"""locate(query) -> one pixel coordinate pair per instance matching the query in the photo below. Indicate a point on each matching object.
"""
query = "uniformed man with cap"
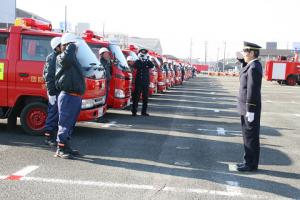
(249, 105)
(142, 81)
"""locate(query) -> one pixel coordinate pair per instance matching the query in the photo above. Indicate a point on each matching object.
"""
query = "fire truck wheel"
(291, 81)
(33, 118)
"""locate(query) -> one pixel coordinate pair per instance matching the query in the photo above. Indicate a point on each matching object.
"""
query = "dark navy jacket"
(69, 76)
(107, 66)
(49, 73)
(142, 72)
(249, 99)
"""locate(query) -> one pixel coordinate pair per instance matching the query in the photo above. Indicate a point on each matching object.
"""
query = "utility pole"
(66, 18)
(224, 56)
(191, 47)
(103, 28)
(205, 57)
(218, 58)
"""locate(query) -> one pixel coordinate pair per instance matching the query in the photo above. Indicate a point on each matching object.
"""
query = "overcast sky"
(176, 22)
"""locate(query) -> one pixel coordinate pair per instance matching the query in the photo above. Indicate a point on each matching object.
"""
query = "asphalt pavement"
(186, 149)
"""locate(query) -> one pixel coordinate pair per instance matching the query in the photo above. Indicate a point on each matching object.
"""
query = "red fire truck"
(161, 76)
(23, 51)
(284, 72)
(120, 83)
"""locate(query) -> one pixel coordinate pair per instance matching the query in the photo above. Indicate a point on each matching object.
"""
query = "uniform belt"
(74, 94)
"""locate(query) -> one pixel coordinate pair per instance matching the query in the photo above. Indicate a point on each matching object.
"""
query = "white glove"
(250, 116)
(239, 55)
(52, 99)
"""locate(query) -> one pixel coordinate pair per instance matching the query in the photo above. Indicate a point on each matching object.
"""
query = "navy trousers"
(144, 89)
(69, 107)
(52, 119)
(250, 131)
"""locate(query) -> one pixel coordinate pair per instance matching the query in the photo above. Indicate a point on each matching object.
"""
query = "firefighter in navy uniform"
(105, 60)
(69, 80)
(51, 126)
(249, 105)
(142, 81)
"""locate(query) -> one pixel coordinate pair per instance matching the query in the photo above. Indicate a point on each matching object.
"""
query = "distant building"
(149, 43)
(273, 54)
(81, 27)
(271, 45)
(123, 39)
(24, 14)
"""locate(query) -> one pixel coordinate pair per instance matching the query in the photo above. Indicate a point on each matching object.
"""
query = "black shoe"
(62, 153)
(246, 168)
(145, 114)
(71, 151)
(133, 114)
(49, 141)
(240, 164)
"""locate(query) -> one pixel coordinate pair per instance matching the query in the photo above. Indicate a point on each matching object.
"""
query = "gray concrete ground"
(186, 149)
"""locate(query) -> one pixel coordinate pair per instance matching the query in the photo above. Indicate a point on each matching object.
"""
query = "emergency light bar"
(132, 47)
(90, 34)
(33, 23)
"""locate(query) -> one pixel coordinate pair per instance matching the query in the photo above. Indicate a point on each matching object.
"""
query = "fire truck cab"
(23, 51)
(119, 94)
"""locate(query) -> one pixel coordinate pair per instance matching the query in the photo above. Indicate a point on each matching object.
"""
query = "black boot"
(61, 152)
(71, 151)
(49, 140)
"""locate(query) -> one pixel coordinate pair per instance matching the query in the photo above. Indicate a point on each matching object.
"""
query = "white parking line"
(22, 173)
(90, 183)
(182, 163)
(221, 131)
(231, 191)
(232, 168)
(25, 171)
(3, 148)
(182, 148)
(233, 187)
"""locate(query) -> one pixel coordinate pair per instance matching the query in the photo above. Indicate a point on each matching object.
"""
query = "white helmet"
(130, 58)
(102, 50)
(67, 38)
(55, 42)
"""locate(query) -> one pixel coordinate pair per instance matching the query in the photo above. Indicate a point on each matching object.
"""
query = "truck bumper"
(92, 114)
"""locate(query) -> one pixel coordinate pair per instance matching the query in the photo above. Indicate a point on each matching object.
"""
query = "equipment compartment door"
(279, 70)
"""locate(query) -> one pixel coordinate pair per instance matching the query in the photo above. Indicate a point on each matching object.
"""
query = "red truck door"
(3, 69)
(29, 70)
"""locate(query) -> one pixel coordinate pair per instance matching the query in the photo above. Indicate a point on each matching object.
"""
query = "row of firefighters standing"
(65, 85)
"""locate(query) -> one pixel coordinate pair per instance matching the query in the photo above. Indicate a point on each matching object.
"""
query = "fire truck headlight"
(87, 103)
(151, 85)
(161, 83)
(119, 93)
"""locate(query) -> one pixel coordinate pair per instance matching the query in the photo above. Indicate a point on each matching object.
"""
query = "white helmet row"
(103, 50)
(55, 42)
(68, 38)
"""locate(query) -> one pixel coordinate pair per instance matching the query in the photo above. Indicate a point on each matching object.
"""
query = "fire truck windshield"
(91, 66)
(132, 54)
(119, 57)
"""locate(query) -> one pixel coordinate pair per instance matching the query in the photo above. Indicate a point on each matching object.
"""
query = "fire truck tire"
(291, 81)
(33, 118)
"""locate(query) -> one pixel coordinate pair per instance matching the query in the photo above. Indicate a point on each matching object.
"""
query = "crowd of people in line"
(65, 85)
